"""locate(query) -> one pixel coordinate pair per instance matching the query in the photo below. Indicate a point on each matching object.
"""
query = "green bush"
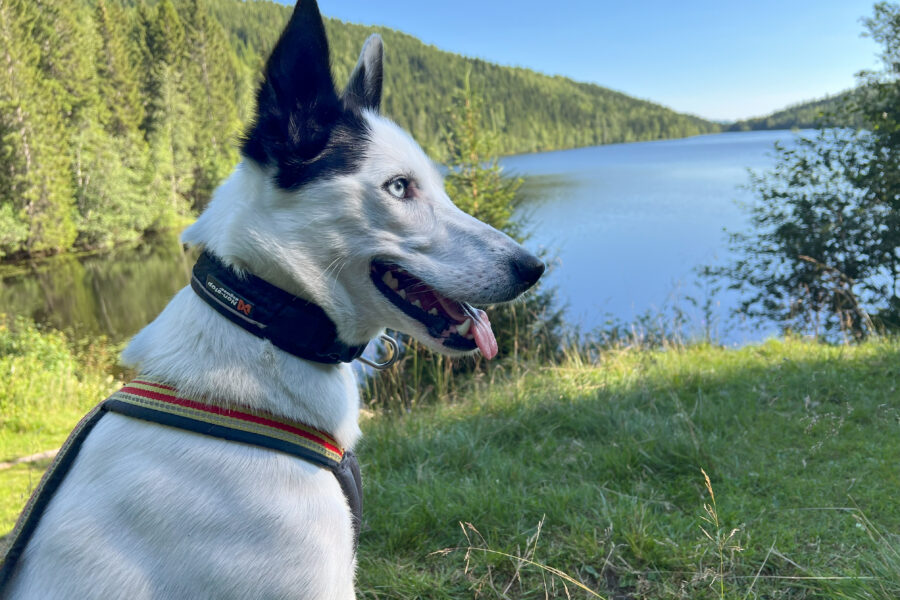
(823, 254)
(46, 381)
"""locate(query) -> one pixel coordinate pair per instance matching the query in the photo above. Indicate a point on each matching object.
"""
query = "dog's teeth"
(390, 281)
(402, 294)
(433, 312)
(417, 304)
(464, 328)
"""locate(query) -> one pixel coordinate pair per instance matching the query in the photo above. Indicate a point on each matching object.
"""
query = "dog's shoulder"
(154, 508)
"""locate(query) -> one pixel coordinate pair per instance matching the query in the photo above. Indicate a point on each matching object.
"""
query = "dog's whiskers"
(472, 313)
(336, 266)
(337, 273)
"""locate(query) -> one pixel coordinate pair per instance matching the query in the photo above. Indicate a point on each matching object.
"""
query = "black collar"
(292, 324)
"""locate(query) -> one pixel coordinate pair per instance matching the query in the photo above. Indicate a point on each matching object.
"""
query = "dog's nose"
(528, 269)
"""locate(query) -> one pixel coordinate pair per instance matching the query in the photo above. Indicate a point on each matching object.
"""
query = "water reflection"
(113, 294)
(624, 225)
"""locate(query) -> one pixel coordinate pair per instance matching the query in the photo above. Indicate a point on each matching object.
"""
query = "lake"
(626, 226)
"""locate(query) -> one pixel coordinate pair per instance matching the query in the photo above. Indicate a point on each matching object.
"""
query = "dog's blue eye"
(398, 188)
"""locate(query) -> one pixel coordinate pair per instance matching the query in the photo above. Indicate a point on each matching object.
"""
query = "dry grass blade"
(720, 540)
(761, 567)
(518, 560)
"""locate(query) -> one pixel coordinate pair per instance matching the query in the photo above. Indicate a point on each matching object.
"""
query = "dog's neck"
(194, 348)
(190, 346)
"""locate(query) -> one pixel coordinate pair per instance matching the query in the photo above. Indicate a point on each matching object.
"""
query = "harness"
(290, 323)
(159, 403)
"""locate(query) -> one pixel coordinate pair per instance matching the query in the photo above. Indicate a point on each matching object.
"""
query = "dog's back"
(151, 512)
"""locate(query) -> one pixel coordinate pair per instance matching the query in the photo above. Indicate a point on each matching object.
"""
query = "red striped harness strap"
(145, 398)
(159, 403)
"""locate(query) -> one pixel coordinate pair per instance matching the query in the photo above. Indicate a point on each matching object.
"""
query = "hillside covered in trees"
(531, 112)
(118, 117)
(824, 112)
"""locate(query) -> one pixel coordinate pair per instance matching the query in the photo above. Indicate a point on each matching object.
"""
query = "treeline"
(530, 112)
(831, 111)
(113, 121)
(120, 117)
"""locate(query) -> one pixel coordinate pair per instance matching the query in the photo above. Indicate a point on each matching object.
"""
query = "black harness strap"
(44, 491)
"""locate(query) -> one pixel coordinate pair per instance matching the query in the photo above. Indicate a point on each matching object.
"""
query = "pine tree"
(110, 155)
(117, 77)
(36, 212)
(475, 182)
(214, 73)
(168, 122)
(142, 57)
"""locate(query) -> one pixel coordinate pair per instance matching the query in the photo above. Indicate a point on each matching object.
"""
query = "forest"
(119, 118)
(830, 111)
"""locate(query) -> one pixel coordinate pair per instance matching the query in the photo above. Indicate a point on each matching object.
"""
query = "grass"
(593, 473)
(799, 440)
(47, 384)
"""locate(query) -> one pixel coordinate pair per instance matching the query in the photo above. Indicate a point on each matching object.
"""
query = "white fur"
(320, 246)
(151, 512)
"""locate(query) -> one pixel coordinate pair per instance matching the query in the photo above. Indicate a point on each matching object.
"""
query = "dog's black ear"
(364, 88)
(297, 104)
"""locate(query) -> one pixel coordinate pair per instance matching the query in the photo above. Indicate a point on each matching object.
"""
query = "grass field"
(800, 442)
(594, 470)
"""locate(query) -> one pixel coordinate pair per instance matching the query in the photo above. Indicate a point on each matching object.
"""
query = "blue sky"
(720, 59)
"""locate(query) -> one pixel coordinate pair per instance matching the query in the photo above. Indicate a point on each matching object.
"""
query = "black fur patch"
(302, 127)
(342, 154)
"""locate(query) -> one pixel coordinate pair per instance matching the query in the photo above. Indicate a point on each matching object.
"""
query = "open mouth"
(455, 324)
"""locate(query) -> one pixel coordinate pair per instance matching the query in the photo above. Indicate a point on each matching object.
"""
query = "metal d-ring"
(395, 354)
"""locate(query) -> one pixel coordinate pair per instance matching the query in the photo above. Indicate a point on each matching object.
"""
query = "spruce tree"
(168, 121)
(110, 154)
(214, 92)
(36, 200)
(475, 182)
(118, 79)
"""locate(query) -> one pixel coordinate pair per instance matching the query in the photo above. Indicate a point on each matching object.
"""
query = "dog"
(334, 205)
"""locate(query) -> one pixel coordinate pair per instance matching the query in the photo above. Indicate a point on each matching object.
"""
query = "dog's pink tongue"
(484, 335)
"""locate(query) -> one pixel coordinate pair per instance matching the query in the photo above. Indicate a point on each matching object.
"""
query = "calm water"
(630, 223)
(114, 294)
(627, 224)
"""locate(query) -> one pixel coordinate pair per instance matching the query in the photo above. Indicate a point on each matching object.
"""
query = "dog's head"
(337, 204)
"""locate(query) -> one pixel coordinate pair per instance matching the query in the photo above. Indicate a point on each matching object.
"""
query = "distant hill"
(824, 112)
(532, 112)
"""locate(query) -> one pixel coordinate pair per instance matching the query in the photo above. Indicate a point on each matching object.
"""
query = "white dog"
(336, 205)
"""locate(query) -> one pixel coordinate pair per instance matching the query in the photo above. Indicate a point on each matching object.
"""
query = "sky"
(722, 59)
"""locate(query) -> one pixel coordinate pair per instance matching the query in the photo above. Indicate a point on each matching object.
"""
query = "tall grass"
(607, 457)
(45, 378)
